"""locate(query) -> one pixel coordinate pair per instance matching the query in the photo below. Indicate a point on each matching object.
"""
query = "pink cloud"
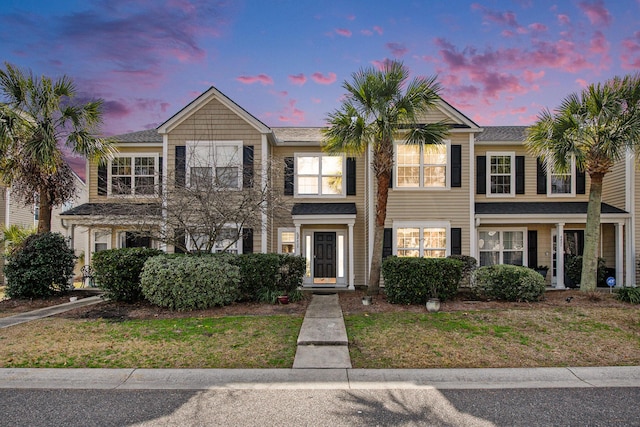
(379, 65)
(366, 32)
(298, 79)
(564, 19)
(507, 33)
(378, 29)
(291, 114)
(343, 32)
(530, 76)
(596, 12)
(316, 100)
(537, 26)
(631, 52)
(322, 79)
(582, 82)
(599, 45)
(397, 49)
(260, 78)
(507, 18)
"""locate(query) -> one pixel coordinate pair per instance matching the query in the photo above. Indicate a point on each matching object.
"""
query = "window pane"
(560, 184)
(513, 240)
(409, 253)
(513, 258)
(501, 164)
(226, 155)
(331, 165)
(501, 184)
(308, 165)
(144, 166)
(408, 154)
(200, 177)
(145, 185)
(227, 177)
(435, 238)
(489, 258)
(121, 166)
(408, 238)
(434, 176)
(435, 154)
(332, 185)
(308, 185)
(121, 185)
(434, 253)
(489, 240)
(288, 236)
(408, 176)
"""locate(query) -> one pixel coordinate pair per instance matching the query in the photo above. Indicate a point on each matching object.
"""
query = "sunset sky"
(499, 62)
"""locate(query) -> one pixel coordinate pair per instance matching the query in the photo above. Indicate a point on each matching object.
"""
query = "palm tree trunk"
(44, 215)
(588, 281)
(382, 195)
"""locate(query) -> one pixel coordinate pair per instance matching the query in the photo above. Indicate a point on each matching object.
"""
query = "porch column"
(297, 243)
(560, 255)
(619, 253)
(351, 267)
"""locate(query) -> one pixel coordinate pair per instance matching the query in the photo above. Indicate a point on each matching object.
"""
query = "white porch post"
(297, 243)
(619, 253)
(351, 266)
(560, 255)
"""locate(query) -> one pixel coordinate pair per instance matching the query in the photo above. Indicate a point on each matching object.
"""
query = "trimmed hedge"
(41, 266)
(628, 294)
(190, 282)
(415, 280)
(509, 283)
(118, 271)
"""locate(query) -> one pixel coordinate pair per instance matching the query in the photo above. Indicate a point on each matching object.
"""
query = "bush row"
(508, 282)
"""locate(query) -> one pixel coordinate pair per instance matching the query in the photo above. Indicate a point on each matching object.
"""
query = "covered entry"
(326, 242)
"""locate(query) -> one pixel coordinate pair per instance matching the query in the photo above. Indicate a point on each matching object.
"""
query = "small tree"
(40, 267)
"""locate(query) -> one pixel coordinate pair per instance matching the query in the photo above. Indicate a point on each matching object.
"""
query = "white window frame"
(210, 161)
(512, 174)
(102, 232)
(501, 250)
(282, 230)
(421, 225)
(421, 166)
(343, 192)
(572, 173)
(132, 157)
(237, 247)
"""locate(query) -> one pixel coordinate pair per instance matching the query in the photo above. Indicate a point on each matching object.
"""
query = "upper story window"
(320, 175)
(134, 175)
(562, 184)
(501, 176)
(228, 240)
(422, 166)
(428, 240)
(217, 163)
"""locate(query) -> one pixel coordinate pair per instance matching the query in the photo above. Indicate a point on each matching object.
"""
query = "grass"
(225, 342)
(497, 339)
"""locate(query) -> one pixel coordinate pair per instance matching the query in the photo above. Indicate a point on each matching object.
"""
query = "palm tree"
(36, 116)
(381, 106)
(597, 127)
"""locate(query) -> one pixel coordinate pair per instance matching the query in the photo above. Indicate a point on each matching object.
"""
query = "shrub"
(40, 266)
(469, 264)
(415, 280)
(190, 282)
(628, 294)
(573, 270)
(266, 276)
(117, 272)
(509, 282)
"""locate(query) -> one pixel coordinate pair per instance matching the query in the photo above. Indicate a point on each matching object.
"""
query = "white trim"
(344, 219)
(371, 217)
(512, 178)
(287, 230)
(473, 233)
(501, 230)
(422, 225)
(341, 281)
(264, 225)
(630, 197)
(131, 194)
(421, 166)
(164, 189)
(7, 207)
(320, 155)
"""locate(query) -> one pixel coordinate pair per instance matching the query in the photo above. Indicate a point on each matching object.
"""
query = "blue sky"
(499, 62)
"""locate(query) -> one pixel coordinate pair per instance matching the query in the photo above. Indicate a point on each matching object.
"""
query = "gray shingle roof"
(298, 134)
(540, 208)
(324, 209)
(149, 135)
(502, 133)
(117, 209)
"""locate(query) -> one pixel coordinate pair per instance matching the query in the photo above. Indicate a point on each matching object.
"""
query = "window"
(228, 240)
(134, 175)
(422, 166)
(320, 175)
(501, 247)
(501, 174)
(286, 240)
(428, 240)
(217, 163)
(101, 240)
(562, 184)
(128, 239)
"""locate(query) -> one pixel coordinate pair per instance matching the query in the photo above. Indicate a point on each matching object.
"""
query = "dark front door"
(324, 257)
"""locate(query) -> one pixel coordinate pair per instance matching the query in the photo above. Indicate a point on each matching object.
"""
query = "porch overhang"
(543, 213)
(324, 213)
(91, 214)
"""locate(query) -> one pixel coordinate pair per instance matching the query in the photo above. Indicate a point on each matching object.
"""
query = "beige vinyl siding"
(215, 122)
(530, 179)
(434, 115)
(419, 204)
(360, 255)
(613, 186)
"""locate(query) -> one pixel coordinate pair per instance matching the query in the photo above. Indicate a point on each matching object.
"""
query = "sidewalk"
(5, 322)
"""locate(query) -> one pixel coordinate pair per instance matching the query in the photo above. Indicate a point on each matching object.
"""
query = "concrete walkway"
(323, 342)
(5, 322)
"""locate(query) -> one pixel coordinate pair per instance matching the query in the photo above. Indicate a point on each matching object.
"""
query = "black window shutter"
(247, 166)
(581, 182)
(102, 180)
(456, 241)
(181, 165)
(387, 243)
(247, 241)
(351, 176)
(391, 177)
(456, 165)
(180, 241)
(542, 177)
(481, 175)
(519, 174)
(532, 245)
(160, 165)
(288, 176)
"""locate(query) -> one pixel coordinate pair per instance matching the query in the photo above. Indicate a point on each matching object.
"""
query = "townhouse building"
(478, 193)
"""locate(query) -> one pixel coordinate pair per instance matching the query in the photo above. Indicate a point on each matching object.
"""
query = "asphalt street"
(424, 407)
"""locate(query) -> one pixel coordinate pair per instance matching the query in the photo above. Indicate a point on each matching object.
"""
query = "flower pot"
(433, 305)
(366, 300)
(283, 299)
